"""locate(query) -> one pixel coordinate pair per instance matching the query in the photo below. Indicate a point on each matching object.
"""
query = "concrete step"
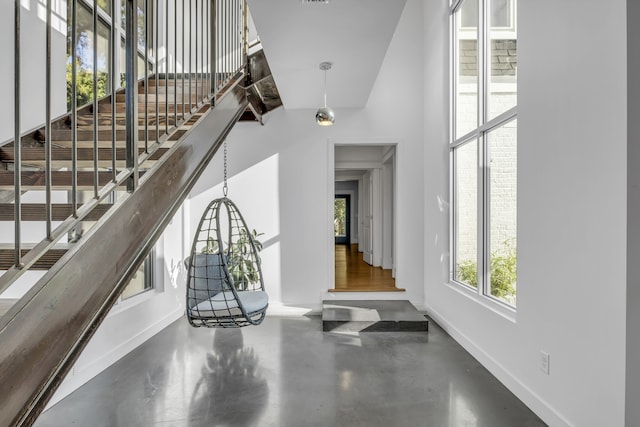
(372, 316)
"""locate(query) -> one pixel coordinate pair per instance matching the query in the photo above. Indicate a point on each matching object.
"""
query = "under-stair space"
(372, 316)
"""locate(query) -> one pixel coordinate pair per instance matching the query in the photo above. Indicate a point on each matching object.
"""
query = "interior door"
(342, 219)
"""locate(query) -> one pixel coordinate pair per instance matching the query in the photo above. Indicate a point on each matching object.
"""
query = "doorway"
(342, 219)
(364, 245)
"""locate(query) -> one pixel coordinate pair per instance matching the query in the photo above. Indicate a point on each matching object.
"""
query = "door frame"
(331, 169)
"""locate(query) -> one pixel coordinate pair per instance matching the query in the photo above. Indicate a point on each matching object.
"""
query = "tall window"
(85, 36)
(483, 148)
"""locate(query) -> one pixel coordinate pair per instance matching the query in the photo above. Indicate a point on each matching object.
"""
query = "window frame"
(484, 127)
(149, 278)
(114, 23)
(508, 32)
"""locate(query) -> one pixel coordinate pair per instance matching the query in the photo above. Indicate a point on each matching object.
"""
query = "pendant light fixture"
(325, 115)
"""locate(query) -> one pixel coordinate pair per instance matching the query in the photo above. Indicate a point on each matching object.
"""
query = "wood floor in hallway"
(352, 274)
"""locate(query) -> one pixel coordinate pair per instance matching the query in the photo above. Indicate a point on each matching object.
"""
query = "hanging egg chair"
(225, 287)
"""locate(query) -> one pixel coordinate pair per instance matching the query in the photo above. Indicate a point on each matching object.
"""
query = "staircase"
(169, 129)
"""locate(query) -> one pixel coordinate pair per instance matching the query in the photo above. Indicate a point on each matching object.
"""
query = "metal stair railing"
(43, 333)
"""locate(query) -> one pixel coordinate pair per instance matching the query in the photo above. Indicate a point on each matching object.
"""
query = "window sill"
(133, 301)
(503, 310)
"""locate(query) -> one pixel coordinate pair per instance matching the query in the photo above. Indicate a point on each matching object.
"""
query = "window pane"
(105, 5)
(140, 21)
(466, 214)
(141, 281)
(469, 14)
(503, 88)
(340, 217)
(84, 58)
(466, 100)
(503, 150)
(501, 13)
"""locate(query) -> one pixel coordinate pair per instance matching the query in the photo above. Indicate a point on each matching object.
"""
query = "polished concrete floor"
(287, 372)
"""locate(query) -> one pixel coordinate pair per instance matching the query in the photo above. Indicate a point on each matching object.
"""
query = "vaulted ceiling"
(298, 35)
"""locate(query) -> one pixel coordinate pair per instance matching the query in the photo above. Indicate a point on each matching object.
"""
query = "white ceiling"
(297, 37)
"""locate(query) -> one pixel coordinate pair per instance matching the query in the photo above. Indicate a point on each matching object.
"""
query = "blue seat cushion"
(224, 304)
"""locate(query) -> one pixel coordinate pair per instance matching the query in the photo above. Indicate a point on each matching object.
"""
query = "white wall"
(633, 218)
(133, 321)
(295, 176)
(571, 213)
(33, 16)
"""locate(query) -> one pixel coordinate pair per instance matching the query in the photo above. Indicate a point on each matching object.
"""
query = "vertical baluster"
(202, 33)
(190, 51)
(225, 36)
(183, 56)
(74, 108)
(131, 95)
(244, 51)
(47, 131)
(95, 98)
(245, 36)
(218, 55)
(166, 65)
(236, 35)
(223, 44)
(234, 45)
(232, 37)
(147, 5)
(156, 43)
(207, 79)
(114, 84)
(17, 167)
(230, 40)
(196, 54)
(236, 38)
(175, 63)
(212, 52)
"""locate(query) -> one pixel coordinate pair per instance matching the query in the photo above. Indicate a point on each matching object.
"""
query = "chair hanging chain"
(225, 188)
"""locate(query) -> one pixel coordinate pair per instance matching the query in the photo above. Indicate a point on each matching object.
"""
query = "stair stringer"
(43, 334)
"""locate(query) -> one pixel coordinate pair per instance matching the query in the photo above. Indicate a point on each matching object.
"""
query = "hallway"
(352, 274)
(287, 372)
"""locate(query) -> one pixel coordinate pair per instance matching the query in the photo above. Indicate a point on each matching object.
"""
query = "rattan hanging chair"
(225, 288)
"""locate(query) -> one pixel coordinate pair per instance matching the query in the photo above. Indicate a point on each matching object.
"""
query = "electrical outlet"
(544, 362)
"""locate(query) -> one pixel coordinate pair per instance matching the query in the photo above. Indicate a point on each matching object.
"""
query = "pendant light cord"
(325, 88)
(225, 187)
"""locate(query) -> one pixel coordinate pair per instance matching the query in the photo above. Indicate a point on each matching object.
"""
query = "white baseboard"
(283, 310)
(538, 405)
(79, 376)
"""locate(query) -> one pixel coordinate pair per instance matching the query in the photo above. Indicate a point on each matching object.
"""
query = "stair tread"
(59, 211)
(45, 262)
(60, 179)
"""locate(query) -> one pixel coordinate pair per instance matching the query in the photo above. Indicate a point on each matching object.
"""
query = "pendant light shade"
(325, 115)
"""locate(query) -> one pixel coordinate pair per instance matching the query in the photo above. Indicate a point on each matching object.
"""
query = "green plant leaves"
(502, 269)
